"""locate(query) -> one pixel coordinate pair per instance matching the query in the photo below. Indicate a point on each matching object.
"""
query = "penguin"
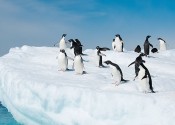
(63, 60)
(80, 46)
(137, 62)
(145, 81)
(154, 50)
(99, 55)
(117, 44)
(78, 64)
(116, 72)
(62, 43)
(137, 49)
(76, 46)
(146, 46)
(162, 44)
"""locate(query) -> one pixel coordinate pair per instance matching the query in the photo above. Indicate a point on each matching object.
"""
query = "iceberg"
(36, 93)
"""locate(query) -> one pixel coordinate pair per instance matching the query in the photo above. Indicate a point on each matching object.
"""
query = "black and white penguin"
(63, 60)
(146, 46)
(154, 50)
(137, 62)
(76, 46)
(62, 43)
(162, 44)
(145, 81)
(99, 55)
(117, 44)
(137, 49)
(80, 46)
(78, 64)
(116, 72)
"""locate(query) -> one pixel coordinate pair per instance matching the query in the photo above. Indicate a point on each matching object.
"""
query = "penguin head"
(62, 50)
(107, 62)
(148, 36)
(113, 40)
(118, 35)
(142, 54)
(97, 47)
(64, 35)
(161, 39)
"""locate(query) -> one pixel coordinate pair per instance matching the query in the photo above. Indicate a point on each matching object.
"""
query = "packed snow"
(37, 93)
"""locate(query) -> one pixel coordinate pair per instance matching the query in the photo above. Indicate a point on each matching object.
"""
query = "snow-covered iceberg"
(36, 93)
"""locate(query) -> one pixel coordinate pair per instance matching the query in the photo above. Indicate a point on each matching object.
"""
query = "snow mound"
(36, 93)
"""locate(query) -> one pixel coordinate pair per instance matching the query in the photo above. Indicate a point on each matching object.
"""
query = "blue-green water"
(5, 117)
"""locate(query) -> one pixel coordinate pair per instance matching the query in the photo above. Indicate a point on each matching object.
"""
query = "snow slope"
(36, 93)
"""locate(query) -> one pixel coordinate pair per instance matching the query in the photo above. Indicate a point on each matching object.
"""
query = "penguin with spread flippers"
(116, 72)
(137, 62)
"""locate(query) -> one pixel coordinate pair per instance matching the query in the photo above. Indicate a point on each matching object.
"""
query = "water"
(5, 117)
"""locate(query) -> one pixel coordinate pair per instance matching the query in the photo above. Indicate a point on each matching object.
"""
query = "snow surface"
(36, 93)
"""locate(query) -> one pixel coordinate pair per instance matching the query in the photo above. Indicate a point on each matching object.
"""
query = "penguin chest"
(62, 44)
(143, 83)
(78, 65)
(115, 74)
(162, 46)
(63, 61)
(118, 46)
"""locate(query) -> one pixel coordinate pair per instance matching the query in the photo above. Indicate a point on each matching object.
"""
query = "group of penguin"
(141, 71)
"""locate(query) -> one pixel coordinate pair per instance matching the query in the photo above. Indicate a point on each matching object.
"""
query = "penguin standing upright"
(146, 46)
(116, 72)
(63, 60)
(117, 44)
(162, 44)
(145, 81)
(137, 62)
(99, 55)
(62, 43)
(76, 45)
(78, 64)
(80, 46)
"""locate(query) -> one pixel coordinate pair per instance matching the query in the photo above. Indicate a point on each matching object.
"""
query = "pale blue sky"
(94, 22)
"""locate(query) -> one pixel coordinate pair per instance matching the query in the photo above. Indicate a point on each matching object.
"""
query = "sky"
(93, 22)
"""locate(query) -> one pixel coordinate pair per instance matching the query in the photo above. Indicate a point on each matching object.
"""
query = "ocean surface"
(5, 117)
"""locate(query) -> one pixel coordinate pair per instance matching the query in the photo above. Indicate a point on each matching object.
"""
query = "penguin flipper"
(144, 77)
(131, 63)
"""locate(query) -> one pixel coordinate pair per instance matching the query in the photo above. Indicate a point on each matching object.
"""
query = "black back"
(117, 67)
(138, 49)
(154, 50)
(146, 46)
(137, 62)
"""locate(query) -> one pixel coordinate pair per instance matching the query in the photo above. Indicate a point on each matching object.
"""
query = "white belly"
(78, 65)
(62, 44)
(116, 74)
(143, 84)
(62, 61)
(118, 45)
(162, 46)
